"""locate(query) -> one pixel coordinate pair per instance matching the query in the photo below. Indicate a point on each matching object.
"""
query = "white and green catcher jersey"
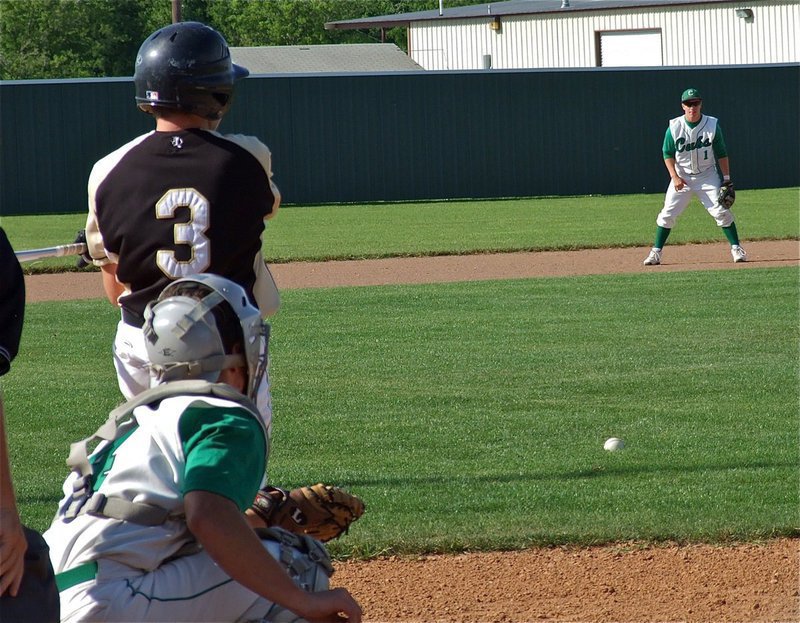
(173, 446)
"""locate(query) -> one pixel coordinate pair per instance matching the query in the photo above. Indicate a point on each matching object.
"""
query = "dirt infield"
(694, 583)
(626, 582)
(464, 268)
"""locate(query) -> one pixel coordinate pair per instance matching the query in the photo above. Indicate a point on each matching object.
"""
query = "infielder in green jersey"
(695, 156)
(152, 524)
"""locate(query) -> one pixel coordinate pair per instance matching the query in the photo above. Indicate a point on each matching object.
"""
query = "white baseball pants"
(192, 589)
(705, 186)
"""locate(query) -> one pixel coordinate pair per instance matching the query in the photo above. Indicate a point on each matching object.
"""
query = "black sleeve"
(12, 303)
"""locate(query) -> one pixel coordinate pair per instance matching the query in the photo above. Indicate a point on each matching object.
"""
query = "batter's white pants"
(705, 186)
(192, 589)
(133, 373)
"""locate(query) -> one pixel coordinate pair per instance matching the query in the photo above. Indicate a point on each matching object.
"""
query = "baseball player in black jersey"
(182, 199)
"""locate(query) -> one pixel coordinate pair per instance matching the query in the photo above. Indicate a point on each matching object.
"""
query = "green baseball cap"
(691, 94)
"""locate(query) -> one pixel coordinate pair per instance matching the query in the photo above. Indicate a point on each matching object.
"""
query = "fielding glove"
(726, 195)
(323, 512)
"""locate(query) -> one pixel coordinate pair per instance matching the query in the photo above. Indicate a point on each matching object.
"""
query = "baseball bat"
(58, 251)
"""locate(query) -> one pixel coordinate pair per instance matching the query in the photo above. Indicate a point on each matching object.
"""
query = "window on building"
(629, 48)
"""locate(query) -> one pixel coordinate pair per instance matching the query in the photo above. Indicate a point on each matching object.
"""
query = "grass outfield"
(472, 415)
(458, 227)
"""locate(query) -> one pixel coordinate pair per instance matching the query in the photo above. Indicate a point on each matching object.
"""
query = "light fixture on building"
(496, 25)
(745, 14)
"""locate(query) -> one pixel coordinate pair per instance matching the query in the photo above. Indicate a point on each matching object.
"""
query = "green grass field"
(458, 227)
(472, 416)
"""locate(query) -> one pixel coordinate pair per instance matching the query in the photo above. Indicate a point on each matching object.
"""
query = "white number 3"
(191, 233)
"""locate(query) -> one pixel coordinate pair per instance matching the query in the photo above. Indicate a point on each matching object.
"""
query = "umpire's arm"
(12, 303)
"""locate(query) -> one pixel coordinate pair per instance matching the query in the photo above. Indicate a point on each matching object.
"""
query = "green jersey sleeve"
(225, 450)
(668, 148)
(718, 144)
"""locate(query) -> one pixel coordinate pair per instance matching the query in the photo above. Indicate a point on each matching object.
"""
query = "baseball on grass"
(613, 444)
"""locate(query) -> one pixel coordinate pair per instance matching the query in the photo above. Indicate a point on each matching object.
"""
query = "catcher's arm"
(223, 532)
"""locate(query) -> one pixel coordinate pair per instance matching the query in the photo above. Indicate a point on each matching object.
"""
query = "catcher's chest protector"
(119, 423)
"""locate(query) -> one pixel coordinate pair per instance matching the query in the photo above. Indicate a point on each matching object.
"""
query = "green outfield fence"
(340, 138)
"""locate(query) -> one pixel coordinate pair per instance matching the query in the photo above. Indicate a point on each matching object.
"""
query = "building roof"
(342, 58)
(510, 7)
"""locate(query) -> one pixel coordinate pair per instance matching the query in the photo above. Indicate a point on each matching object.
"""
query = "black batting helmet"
(186, 66)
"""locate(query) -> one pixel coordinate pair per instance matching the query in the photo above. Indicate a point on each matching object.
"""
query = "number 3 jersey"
(172, 204)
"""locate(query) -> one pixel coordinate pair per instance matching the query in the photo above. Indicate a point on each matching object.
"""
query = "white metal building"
(528, 34)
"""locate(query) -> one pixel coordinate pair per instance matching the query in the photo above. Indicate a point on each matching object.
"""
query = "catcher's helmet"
(185, 338)
(186, 66)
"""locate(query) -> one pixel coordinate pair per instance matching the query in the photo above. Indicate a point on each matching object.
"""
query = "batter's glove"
(321, 511)
(726, 195)
(84, 259)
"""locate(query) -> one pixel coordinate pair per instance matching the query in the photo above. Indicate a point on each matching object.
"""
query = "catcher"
(152, 524)
(695, 154)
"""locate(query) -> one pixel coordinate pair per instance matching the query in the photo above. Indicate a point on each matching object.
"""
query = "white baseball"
(613, 444)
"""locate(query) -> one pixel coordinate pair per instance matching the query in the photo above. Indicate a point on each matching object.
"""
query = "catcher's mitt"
(726, 195)
(323, 512)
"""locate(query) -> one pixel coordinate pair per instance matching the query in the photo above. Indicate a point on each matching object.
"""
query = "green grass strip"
(315, 233)
(472, 416)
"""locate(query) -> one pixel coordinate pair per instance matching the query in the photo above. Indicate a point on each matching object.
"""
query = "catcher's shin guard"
(305, 559)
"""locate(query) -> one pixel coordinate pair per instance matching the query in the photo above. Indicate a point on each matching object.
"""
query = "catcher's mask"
(191, 338)
(186, 66)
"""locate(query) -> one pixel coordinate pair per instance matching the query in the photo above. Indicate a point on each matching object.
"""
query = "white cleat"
(654, 258)
(738, 253)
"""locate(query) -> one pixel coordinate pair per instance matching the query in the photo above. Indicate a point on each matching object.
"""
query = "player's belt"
(82, 573)
(132, 318)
